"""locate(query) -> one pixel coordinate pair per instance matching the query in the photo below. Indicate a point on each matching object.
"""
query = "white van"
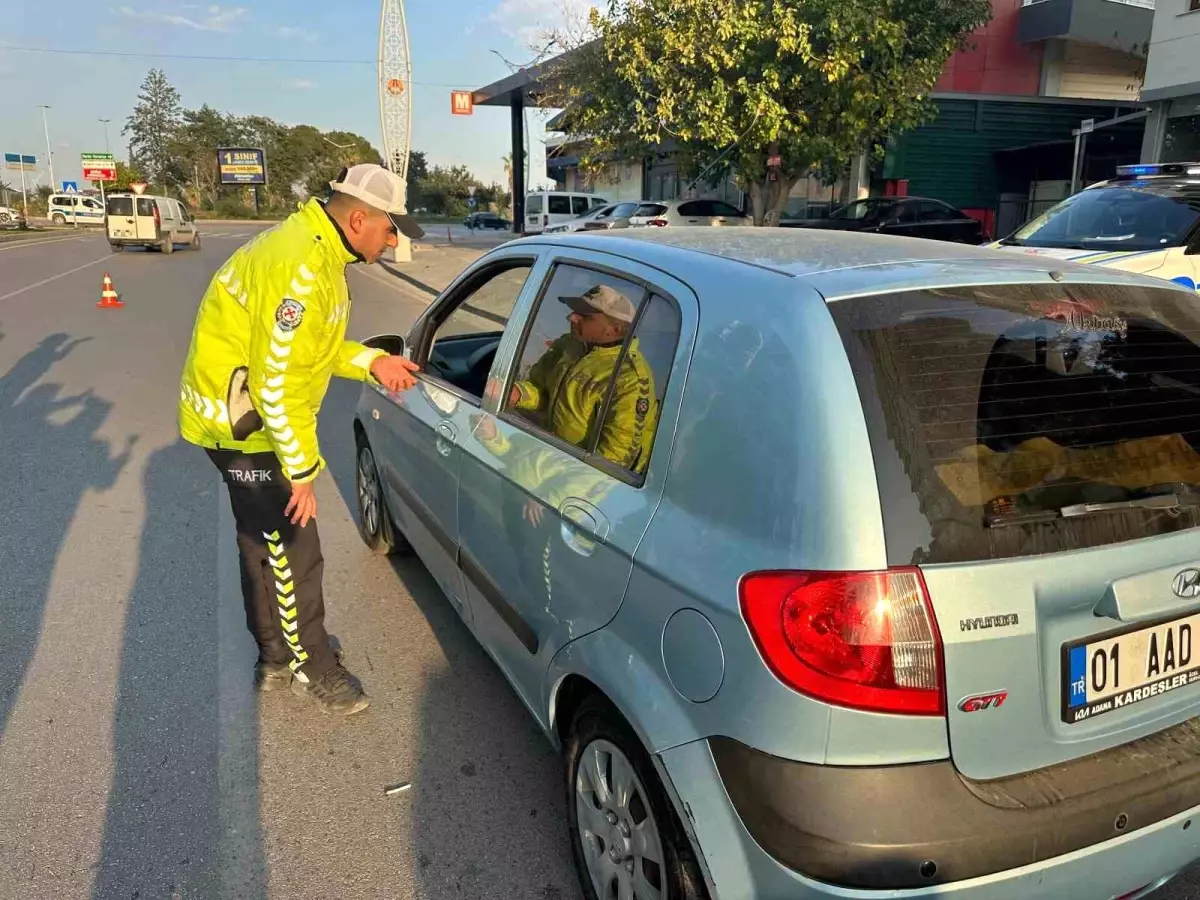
(149, 221)
(74, 209)
(543, 208)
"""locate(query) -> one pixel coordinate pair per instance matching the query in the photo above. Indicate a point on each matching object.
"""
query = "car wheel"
(625, 837)
(5, 218)
(374, 522)
(116, 248)
(195, 244)
(58, 219)
(167, 246)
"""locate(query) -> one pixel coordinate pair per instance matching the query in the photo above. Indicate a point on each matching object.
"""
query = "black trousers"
(281, 565)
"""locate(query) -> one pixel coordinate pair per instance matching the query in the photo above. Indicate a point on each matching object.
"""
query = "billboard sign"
(241, 165)
(20, 162)
(462, 103)
(98, 166)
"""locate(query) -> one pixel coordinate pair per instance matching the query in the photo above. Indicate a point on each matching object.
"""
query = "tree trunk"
(768, 199)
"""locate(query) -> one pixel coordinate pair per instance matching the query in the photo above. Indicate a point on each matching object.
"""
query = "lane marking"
(41, 242)
(38, 284)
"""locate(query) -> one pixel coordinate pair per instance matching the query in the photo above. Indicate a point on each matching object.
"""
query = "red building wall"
(999, 64)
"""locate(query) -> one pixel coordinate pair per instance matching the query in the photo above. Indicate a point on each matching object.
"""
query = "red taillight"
(866, 640)
(658, 223)
(157, 217)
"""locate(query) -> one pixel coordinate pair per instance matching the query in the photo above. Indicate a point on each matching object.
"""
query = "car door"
(147, 226)
(419, 454)
(549, 518)
(901, 219)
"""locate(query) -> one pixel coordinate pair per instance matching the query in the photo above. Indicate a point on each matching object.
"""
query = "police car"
(1145, 220)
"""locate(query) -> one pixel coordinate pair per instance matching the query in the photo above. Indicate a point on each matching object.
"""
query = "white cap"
(381, 188)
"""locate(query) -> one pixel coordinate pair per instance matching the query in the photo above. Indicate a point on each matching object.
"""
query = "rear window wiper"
(1075, 510)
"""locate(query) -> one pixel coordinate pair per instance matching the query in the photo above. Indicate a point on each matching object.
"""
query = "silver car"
(836, 565)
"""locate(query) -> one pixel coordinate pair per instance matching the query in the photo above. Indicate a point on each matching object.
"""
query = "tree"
(727, 84)
(154, 129)
(126, 175)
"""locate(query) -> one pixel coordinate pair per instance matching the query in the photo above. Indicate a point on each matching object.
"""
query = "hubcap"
(368, 492)
(621, 841)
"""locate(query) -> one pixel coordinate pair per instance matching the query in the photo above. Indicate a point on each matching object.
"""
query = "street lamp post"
(104, 202)
(105, 121)
(49, 152)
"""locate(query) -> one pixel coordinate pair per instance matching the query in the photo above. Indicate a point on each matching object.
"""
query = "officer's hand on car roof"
(395, 372)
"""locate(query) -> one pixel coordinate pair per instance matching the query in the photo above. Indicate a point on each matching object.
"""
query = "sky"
(454, 45)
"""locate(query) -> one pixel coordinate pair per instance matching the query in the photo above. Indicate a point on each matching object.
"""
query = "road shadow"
(487, 798)
(53, 456)
(183, 812)
(415, 282)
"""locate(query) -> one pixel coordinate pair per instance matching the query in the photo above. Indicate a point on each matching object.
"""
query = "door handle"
(582, 526)
(445, 438)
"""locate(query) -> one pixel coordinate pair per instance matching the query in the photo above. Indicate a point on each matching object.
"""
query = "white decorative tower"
(395, 98)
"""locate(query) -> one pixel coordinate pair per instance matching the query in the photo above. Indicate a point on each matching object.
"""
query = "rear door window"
(533, 205)
(145, 206)
(1015, 420)
(120, 206)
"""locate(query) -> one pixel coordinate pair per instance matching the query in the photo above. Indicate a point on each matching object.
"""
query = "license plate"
(1115, 671)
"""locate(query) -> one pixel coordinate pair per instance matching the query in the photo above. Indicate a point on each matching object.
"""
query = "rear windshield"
(1129, 217)
(533, 204)
(996, 413)
(120, 206)
(145, 206)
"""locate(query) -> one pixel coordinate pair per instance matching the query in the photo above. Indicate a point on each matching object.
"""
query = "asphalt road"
(135, 760)
(136, 763)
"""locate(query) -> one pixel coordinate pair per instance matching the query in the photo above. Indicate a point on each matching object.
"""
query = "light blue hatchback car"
(837, 565)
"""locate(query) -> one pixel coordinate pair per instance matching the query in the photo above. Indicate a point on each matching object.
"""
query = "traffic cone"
(109, 299)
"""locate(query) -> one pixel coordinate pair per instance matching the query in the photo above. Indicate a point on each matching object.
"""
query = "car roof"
(843, 264)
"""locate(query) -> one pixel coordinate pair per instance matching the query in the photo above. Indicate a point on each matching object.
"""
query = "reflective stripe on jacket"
(269, 334)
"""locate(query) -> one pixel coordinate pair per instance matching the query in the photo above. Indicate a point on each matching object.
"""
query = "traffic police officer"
(269, 335)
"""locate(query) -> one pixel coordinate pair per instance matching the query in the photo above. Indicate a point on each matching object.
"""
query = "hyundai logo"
(1187, 584)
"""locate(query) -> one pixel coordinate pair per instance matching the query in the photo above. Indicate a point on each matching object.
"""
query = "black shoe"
(336, 692)
(271, 677)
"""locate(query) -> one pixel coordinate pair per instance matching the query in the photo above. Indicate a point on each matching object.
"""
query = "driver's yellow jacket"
(269, 334)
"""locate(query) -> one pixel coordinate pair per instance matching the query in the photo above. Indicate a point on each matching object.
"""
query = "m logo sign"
(462, 103)
(1187, 584)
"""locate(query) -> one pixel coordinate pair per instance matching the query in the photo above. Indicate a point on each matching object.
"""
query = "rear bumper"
(913, 826)
(769, 828)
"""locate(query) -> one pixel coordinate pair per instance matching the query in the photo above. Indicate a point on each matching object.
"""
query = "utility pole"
(49, 152)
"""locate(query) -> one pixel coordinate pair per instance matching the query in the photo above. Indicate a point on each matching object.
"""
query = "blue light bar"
(1139, 170)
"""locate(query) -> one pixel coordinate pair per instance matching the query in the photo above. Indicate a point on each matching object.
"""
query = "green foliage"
(816, 81)
(126, 175)
(445, 191)
(152, 129)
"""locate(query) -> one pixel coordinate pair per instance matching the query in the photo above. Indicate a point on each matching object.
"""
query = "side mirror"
(389, 343)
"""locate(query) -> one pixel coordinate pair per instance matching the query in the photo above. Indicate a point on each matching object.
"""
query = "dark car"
(486, 220)
(918, 217)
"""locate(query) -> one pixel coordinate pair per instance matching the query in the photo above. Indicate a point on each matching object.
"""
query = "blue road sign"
(20, 161)
(70, 187)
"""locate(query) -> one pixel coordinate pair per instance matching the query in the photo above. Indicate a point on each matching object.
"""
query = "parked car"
(74, 209)
(10, 217)
(487, 220)
(546, 208)
(674, 213)
(873, 572)
(603, 218)
(919, 217)
(1145, 219)
(148, 220)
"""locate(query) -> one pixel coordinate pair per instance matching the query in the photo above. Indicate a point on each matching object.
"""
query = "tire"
(116, 248)
(5, 218)
(167, 246)
(195, 244)
(598, 734)
(375, 525)
(58, 219)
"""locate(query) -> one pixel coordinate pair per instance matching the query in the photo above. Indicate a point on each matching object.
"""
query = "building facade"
(1172, 86)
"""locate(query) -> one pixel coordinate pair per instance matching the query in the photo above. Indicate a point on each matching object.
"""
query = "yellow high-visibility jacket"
(269, 334)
